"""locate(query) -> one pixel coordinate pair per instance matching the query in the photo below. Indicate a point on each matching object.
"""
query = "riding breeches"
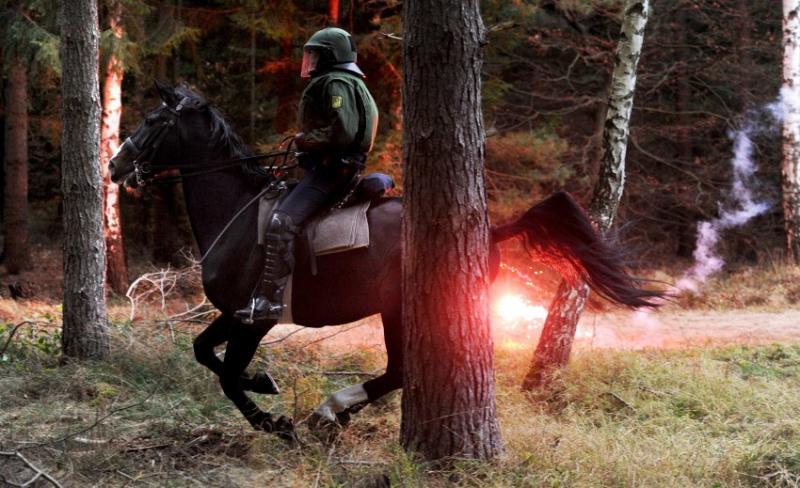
(318, 187)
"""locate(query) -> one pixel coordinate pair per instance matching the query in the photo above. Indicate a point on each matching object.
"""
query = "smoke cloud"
(742, 205)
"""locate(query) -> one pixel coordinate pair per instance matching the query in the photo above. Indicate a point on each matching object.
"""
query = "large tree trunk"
(333, 12)
(558, 333)
(116, 269)
(448, 404)
(85, 322)
(791, 127)
(16, 169)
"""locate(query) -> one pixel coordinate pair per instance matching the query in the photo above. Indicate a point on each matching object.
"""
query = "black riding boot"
(267, 302)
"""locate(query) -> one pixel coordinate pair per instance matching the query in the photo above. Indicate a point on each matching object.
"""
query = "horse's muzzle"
(120, 166)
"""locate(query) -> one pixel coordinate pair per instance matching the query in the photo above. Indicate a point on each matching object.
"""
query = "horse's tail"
(558, 231)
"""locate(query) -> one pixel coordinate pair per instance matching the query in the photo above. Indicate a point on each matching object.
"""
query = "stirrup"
(259, 309)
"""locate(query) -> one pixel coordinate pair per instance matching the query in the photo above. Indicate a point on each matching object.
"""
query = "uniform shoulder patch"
(336, 101)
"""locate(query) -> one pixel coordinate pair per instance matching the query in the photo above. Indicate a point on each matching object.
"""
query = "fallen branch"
(97, 422)
(147, 448)
(350, 373)
(290, 334)
(358, 462)
(345, 329)
(326, 463)
(161, 283)
(620, 401)
(392, 36)
(38, 473)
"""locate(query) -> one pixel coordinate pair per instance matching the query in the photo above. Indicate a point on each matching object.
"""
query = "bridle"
(146, 172)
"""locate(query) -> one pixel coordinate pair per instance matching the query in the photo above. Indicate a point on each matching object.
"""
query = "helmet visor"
(310, 60)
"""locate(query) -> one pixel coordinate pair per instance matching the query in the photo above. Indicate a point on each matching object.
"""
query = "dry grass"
(151, 416)
(768, 288)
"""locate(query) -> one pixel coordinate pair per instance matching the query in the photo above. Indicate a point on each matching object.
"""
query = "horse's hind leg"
(214, 335)
(242, 344)
(344, 402)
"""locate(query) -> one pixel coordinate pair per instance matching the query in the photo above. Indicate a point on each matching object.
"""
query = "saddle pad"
(338, 230)
(341, 229)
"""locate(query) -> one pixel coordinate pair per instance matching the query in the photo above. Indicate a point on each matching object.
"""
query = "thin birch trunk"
(116, 268)
(559, 329)
(15, 203)
(790, 170)
(85, 329)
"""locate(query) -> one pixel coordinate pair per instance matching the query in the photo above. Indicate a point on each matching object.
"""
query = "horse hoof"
(263, 383)
(324, 428)
(343, 418)
(284, 428)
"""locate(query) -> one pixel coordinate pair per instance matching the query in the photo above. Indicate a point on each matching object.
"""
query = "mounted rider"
(338, 118)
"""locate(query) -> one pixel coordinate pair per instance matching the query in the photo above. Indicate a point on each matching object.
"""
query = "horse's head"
(170, 135)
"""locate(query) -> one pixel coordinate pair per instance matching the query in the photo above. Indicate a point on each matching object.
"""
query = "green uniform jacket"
(331, 108)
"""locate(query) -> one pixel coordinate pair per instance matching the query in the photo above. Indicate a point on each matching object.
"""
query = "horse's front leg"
(214, 335)
(243, 341)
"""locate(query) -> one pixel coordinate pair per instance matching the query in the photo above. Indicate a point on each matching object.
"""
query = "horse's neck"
(212, 200)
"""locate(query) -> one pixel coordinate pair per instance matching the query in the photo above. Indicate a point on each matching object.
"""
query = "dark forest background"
(548, 63)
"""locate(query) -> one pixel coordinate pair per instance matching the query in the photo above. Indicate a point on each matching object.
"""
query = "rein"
(277, 186)
(144, 169)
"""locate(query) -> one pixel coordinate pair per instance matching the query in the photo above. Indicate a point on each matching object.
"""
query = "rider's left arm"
(340, 111)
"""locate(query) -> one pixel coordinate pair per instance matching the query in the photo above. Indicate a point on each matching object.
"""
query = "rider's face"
(310, 59)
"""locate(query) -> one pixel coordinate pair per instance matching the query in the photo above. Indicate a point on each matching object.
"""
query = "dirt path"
(663, 329)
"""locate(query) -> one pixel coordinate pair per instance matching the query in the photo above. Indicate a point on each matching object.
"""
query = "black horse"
(186, 133)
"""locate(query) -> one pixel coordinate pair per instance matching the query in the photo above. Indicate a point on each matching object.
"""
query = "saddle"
(342, 228)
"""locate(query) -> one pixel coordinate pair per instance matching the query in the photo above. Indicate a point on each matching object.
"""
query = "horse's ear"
(166, 92)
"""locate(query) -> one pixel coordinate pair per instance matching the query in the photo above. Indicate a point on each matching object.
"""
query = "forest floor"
(696, 394)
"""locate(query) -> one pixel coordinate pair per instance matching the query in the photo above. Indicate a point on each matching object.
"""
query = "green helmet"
(334, 47)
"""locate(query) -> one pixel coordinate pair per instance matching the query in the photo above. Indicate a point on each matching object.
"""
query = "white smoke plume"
(742, 206)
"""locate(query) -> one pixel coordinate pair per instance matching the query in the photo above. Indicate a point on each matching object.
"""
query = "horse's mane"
(224, 140)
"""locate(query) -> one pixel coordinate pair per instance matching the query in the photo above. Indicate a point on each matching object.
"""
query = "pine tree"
(27, 47)
(116, 268)
(85, 322)
(448, 405)
(15, 197)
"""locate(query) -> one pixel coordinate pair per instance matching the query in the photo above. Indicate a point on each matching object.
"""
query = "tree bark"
(790, 170)
(85, 322)
(333, 12)
(116, 269)
(16, 170)
(448, 406)
(559, 329)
